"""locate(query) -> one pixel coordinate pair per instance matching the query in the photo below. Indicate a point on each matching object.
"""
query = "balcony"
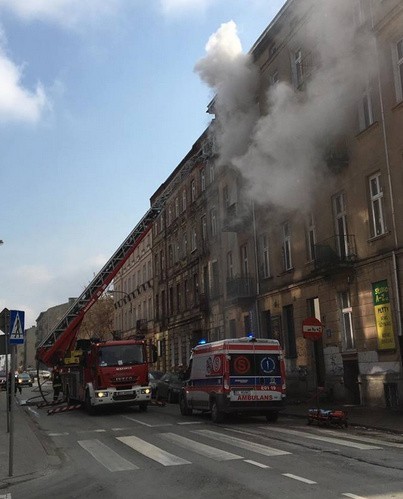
(240, 288)
(335, 253)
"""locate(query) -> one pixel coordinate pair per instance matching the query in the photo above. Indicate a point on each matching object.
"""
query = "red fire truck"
(94, 372)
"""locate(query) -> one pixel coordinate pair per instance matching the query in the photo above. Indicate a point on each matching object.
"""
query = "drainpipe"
(255, 242)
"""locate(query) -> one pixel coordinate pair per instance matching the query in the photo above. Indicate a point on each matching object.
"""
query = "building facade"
(318, 234)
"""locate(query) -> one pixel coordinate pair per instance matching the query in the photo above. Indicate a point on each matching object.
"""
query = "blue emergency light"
(202, 342)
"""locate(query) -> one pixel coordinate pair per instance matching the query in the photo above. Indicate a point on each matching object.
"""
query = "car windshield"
(121, 355)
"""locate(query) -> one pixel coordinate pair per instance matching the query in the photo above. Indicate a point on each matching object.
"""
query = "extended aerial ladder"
(61, 339)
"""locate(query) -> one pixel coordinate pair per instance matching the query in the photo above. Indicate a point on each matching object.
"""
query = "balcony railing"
(241, 287)
(335, 252)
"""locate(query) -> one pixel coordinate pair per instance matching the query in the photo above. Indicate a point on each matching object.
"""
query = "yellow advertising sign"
(383, 316)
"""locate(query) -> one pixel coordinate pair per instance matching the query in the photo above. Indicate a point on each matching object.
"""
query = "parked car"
(169, 387)
(24, 379)
(3, 380)
(153, 377)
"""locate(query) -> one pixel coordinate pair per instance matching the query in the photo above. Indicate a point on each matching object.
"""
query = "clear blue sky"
(98, 104)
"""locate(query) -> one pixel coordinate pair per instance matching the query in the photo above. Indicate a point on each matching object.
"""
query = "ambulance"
(240, 375)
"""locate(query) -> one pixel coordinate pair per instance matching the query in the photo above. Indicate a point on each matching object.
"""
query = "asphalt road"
(160, 454)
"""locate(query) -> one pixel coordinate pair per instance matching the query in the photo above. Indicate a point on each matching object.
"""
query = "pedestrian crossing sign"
(17, 318)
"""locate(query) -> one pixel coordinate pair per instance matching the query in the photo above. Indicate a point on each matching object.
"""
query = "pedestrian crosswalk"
(174, 448)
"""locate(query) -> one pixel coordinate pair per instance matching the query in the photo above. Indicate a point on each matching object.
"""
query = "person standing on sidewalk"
(57, 384)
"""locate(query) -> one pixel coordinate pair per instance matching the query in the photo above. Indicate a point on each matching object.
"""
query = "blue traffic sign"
(16, 335)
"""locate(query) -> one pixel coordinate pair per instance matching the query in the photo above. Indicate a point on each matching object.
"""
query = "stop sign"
(312, 328)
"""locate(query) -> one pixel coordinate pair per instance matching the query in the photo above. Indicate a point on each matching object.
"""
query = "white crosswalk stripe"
(106, 456)
(199, 448)
(322, 438)
(243, 444)
(153, 452)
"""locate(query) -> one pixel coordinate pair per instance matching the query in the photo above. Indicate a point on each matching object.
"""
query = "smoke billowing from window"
(280, 151)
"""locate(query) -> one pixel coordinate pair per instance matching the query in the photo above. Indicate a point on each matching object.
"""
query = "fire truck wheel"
(87, 404)
(143, 407)
(217, 416)
(183, 406)
(272, 417)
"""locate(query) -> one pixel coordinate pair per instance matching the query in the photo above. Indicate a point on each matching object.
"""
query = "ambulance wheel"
(217, 416)
(183, 406)
(272, 417)
(143, 407)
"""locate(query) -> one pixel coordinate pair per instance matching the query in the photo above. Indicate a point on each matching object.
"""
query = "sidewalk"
(31, 456)
(369, 417)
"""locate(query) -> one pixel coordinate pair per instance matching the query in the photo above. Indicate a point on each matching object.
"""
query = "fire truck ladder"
(61, 338)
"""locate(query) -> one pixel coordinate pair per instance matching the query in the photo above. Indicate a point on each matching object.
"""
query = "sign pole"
(12, 402)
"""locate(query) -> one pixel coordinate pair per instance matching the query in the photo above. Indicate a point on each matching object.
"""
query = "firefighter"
(57, 384)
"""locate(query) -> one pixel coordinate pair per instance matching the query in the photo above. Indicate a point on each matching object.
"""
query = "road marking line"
(147, 424)
(299, 478)
(367, 439)
(152, 451)
(199, 448)
(255, 463)
(99, 431)
(119, 429)
(191, 422)
(106, 456)
(243, 444)
(57, 434)
(331, 440)
(353, 496)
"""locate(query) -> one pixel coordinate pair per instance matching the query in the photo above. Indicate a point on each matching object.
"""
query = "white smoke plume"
(284, 148)
(234, 78)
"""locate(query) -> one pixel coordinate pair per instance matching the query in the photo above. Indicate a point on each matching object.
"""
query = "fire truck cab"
(240, 375)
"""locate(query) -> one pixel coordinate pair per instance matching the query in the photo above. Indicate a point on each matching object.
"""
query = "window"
(287, 246)
(230, 266)
(399, 70)
(170, 255)
(365, 114)
(225, 196)
(196, 289)
(144, 273)
(178, 297)
(264, 256)
(150, 273)
(176, 207)
(184, 200)
(204, 227)
(171, 300)
(274, 78)
(215, 279)
(185, 294)
(346, 319)
(375, 186)
(185, 244)
(161, 222)
(212, 173)
(244, 261)
(340, 220)
(213, 221)
(193, 191)
(194, 240)
(298, 68)
(310, 237)
(169, 215)
(202, 179)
